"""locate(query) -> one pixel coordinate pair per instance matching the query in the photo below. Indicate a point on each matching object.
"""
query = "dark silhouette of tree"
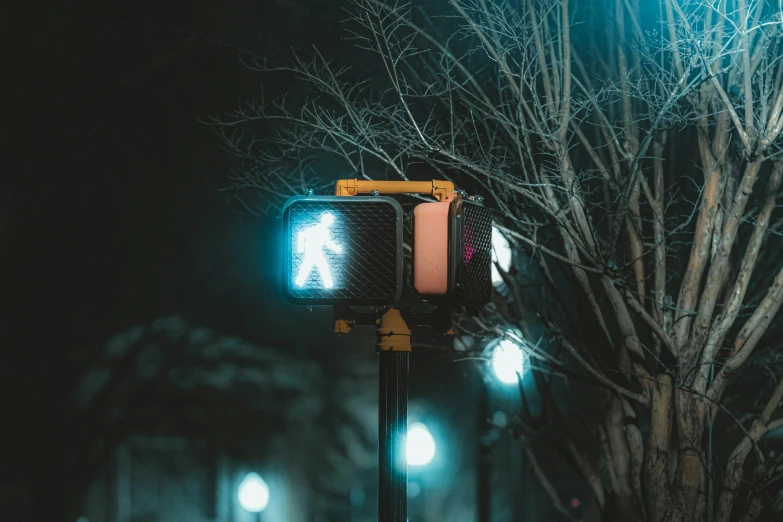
(170, 378)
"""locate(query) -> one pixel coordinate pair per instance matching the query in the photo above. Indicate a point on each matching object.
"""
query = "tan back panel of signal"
(431, 248)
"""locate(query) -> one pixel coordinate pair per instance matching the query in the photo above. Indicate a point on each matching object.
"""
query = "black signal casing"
(470, 253)
(367, 271)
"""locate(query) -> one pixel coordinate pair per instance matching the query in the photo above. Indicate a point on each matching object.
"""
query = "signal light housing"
(342, 250)
(452, 251)
(470, 253)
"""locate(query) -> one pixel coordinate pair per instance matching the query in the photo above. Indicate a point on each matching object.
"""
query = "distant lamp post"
(501, 254)
(508, 361)
(253, 493)
(419, 445)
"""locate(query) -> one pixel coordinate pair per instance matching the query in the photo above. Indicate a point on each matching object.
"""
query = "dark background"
(114, 202)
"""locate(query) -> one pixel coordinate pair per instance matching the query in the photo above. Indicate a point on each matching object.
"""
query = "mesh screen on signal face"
(342, 250)
(475, 273)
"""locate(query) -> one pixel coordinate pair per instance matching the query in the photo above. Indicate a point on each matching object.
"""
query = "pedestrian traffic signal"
(452, 251)
(342, 250)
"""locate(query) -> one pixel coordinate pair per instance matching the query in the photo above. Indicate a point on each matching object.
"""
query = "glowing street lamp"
(253, 493)
(419, 445)
(501, 254)
(508, 361)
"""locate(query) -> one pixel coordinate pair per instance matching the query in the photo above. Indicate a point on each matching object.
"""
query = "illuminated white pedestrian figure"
(311, 242)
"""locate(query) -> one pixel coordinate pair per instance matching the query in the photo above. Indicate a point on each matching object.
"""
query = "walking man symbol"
(311, 242)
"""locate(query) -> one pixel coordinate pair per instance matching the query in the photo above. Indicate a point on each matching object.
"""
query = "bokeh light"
(419, 445)
(508, 361)
(253, 493)
(501, 254)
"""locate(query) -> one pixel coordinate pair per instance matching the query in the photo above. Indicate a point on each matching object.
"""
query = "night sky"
(112, 208)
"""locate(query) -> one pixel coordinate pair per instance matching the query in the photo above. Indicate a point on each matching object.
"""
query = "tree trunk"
(690, 476)
(656, 465)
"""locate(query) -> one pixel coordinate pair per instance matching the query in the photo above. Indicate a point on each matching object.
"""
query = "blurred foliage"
(169, 378)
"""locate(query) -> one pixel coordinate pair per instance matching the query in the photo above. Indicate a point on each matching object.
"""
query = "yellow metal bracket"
(394, 335)
(343, 326)
(439, 189)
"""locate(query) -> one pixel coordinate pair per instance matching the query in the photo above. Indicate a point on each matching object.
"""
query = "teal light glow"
(253, 493)
(508, 361)
(419, 445)
(501, 254)
(311, 242)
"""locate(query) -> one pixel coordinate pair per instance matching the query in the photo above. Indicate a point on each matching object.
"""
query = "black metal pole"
(485, 456)
(392, 427)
